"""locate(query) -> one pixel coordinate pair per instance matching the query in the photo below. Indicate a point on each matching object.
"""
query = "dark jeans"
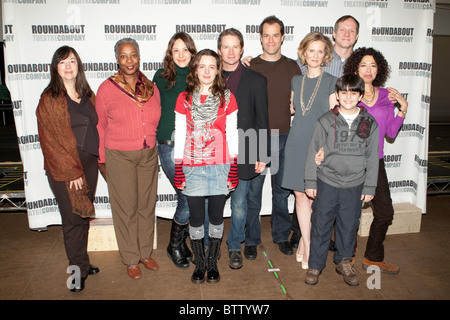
(383, 214)
(239, 196)
(76, 229)
(334, 206)
(165, 152)
(280, 219)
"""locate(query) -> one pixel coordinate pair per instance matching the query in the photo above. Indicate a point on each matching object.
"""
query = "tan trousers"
(132, 184)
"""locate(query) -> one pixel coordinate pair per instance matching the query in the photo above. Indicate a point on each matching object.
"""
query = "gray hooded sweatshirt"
(351, 153)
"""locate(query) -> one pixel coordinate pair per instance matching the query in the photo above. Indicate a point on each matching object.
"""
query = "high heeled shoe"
(298, 257)
(305, 265)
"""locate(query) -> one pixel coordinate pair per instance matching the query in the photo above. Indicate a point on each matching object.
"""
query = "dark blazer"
(251, 97)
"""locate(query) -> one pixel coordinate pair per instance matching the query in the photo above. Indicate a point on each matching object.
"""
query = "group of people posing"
(220, 124)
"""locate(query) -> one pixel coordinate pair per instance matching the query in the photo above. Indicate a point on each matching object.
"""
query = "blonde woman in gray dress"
(312, 94)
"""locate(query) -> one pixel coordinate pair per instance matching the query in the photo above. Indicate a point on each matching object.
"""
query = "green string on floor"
(274, 272)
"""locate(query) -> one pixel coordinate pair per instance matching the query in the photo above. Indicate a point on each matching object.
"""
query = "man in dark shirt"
(278, 71)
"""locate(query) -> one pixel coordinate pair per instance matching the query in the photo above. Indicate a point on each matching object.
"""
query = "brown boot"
(384, 267)
(345, 269)
(312, 276)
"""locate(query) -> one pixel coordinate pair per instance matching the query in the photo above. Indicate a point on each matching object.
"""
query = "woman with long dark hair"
(69, 141)
(171, 81)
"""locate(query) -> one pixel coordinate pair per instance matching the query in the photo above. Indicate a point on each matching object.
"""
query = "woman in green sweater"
(171, 81)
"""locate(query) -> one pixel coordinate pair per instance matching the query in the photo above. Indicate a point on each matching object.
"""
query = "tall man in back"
(345, 35)
(278, 71)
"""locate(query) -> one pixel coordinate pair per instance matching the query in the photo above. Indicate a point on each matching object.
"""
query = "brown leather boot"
(312, 276)
(345, 269)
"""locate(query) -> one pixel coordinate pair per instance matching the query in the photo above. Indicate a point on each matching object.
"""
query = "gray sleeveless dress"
(302, 127)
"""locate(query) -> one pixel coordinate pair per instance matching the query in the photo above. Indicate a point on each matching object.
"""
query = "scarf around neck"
(142, 92)
(204, 115)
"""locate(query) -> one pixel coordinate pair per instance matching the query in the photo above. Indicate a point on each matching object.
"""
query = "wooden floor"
(33, 266)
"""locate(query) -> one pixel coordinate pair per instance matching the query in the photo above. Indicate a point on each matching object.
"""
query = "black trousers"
(76, 229)
(383, 214)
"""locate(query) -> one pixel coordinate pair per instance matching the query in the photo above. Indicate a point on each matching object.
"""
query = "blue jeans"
(280, 219)
(206, 180)
(239, 196)
(165, 151)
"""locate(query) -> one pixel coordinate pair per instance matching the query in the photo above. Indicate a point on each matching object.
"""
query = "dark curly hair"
(352, 64)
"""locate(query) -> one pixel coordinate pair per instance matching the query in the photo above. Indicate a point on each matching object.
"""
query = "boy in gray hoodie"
(346, 178)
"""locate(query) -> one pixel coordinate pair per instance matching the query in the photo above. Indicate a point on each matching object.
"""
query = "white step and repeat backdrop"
(33, 30)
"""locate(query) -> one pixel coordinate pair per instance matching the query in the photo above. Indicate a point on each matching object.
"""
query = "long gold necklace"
(313, 96)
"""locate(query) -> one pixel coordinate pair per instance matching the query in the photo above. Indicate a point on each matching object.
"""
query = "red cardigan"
(122, 125)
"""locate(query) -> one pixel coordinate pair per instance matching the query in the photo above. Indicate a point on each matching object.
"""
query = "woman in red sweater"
(128, 108)
(205, 152)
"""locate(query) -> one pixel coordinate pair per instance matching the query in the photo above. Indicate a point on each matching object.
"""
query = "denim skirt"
(209, 180)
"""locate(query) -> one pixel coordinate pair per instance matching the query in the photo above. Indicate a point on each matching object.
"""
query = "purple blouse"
(388, 122)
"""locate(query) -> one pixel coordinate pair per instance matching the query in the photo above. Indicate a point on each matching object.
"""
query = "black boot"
(199, 259)
(213, 275)
(184, 248)
(175, 247)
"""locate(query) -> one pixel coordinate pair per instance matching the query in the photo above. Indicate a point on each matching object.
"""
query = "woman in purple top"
(373, 68)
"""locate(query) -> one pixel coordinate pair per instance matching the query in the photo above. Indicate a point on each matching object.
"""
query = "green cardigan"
(168, 99)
